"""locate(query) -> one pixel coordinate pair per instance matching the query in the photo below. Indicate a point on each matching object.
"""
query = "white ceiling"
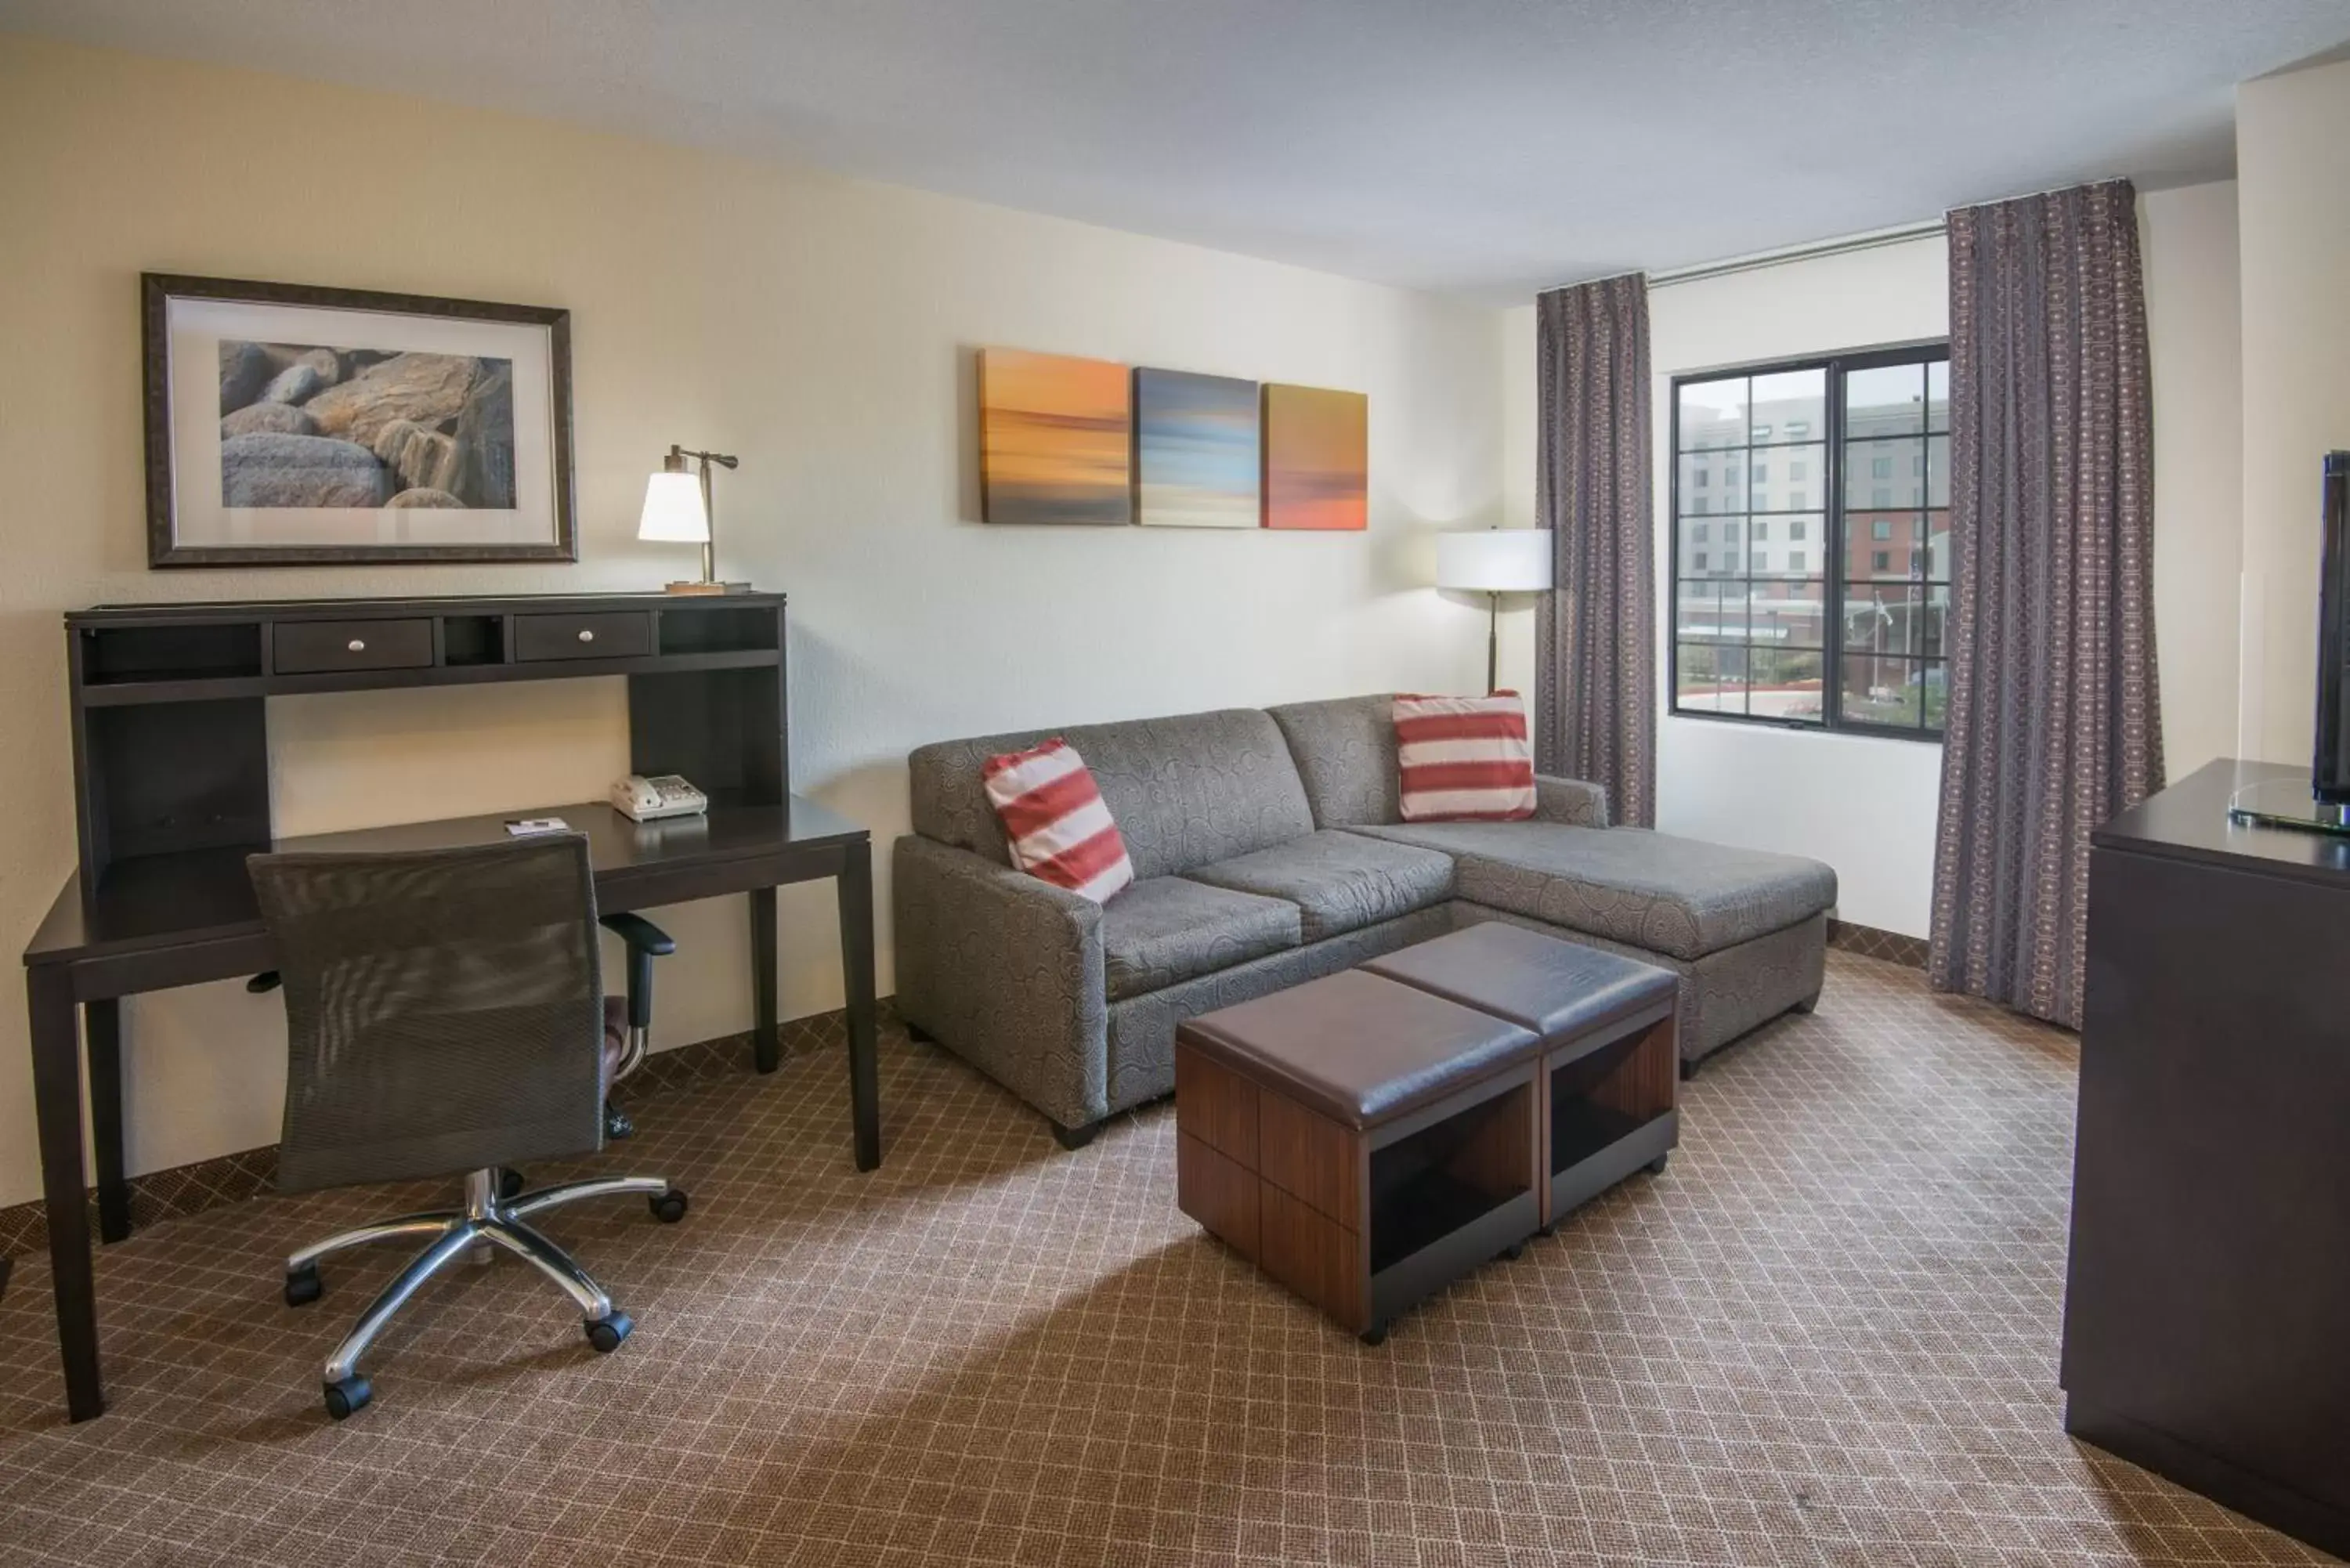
(1485, 147)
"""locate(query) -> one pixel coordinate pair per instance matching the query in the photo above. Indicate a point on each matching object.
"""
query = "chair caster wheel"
(616, 1124)
(606, 1333)
(670, 1207)
(303, 1286)
(510, 1183)
(1376, 1334)
(348, 1398)
(1657, 1165)
(1513, 1252)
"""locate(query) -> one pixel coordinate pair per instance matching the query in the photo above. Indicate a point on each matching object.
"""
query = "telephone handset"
(642, 799)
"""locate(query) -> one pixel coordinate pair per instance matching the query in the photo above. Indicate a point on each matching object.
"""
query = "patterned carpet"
(1827, 1334)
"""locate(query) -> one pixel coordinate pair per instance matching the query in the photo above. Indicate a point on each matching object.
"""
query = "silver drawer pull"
(586, 636)
(356, 645)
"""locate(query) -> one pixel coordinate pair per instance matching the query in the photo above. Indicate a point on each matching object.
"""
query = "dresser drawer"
(315, 647)
(625, 635)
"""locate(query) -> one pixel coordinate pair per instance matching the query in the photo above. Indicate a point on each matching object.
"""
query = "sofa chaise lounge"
(1269, 849)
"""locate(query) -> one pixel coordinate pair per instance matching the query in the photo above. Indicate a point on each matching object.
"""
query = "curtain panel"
(2052, 718)
(1596, 642)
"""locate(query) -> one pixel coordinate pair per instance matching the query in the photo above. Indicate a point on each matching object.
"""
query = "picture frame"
(295, 425)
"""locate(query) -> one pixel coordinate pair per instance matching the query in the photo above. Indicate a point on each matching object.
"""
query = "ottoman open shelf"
(1362, 1142)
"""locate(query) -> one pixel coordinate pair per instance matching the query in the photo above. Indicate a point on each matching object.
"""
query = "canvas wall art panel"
(1055, 438)
(1198, 452)
(1316, 458)
(291, 425)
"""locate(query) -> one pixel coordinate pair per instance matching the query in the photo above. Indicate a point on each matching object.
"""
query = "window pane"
(1938, 470)
(1905, 618)
(1881, 474)
(1881, 690)
(1785, 684)
(1941, 565)
(1890, 400)
(1787, 613)
(1712, 678)
(1791, 406)
(1714, 414)
(1937, 395)
(1711, 611)
(1778, 541)
(1938, 693)
(1878, 544)
(1717, 479)
(1778, 475)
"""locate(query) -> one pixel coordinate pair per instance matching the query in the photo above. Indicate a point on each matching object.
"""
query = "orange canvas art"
(1316, 458)
(1055, 438)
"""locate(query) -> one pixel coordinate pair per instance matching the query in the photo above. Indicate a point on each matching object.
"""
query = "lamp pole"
(675, 463)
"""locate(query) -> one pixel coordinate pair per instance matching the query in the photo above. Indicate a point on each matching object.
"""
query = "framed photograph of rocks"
(295, 426)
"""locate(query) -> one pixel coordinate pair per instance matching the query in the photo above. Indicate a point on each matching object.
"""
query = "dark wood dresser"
(2207, 1315)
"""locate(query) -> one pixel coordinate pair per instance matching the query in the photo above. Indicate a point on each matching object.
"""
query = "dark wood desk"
(169, 733)
(2210, 1244)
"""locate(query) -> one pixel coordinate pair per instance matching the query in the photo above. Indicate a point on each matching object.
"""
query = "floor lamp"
(1493, 562)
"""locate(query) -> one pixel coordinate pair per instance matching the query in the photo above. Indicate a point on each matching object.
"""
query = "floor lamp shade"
(1493, 562)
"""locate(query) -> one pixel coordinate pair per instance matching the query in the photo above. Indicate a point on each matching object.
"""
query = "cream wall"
(819, 328)
(1864, 804)
(2294, 179)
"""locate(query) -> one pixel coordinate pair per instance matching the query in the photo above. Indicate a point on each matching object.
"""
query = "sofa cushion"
(1345, 750)
(1165, 929)
(1340, 881)
(1185, 791)
(1055, 823)
(1674, 895)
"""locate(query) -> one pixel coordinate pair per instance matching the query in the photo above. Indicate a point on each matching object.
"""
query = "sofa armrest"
(1006, 971)
(1570, 801)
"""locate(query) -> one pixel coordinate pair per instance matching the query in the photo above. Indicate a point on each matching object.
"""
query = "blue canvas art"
(1198, 450)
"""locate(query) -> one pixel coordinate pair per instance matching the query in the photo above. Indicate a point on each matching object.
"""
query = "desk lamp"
(678, 510)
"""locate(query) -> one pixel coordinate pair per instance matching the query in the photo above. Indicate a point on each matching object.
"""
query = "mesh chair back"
(445, 1009)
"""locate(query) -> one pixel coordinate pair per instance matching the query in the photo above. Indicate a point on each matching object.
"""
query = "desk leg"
(57, 1107)
(102, 1024)
(766, 1050)
(854, 883)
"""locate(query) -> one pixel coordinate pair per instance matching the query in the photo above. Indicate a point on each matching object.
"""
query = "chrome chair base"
(488, 1220)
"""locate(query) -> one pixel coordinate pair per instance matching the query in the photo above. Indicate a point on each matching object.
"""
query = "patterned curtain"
(2054, 724)
(1595, 648)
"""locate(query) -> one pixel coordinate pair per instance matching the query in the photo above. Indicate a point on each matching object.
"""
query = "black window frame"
(1835, 564)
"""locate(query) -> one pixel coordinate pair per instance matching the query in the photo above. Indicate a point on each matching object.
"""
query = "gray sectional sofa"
(1268, 850)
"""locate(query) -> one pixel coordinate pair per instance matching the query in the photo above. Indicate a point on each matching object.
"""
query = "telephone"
(642, 799)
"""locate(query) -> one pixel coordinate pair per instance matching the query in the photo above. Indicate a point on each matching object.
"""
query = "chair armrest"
(1006, 971)
(646, 942)
(640, 934)
(1570, 801)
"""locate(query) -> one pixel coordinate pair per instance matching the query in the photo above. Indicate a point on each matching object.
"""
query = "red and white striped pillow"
(1464, 758)
(1053, 814)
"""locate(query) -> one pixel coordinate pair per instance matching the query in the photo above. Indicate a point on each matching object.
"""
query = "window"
(1856, 641)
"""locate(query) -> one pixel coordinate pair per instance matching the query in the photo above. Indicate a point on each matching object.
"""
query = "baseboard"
(1870, 943)
(236, 1177)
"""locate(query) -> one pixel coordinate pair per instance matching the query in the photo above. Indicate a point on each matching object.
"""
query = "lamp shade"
(673, 511)
(1494, 561)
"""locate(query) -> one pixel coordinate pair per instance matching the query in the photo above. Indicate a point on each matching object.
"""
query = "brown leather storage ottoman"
(1361, 1140)
(1610, 1057)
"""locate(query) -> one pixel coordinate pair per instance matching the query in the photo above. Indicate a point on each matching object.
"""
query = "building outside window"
(1857, 641)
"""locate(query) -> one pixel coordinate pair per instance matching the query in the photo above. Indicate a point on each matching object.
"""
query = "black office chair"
(445, 1014)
